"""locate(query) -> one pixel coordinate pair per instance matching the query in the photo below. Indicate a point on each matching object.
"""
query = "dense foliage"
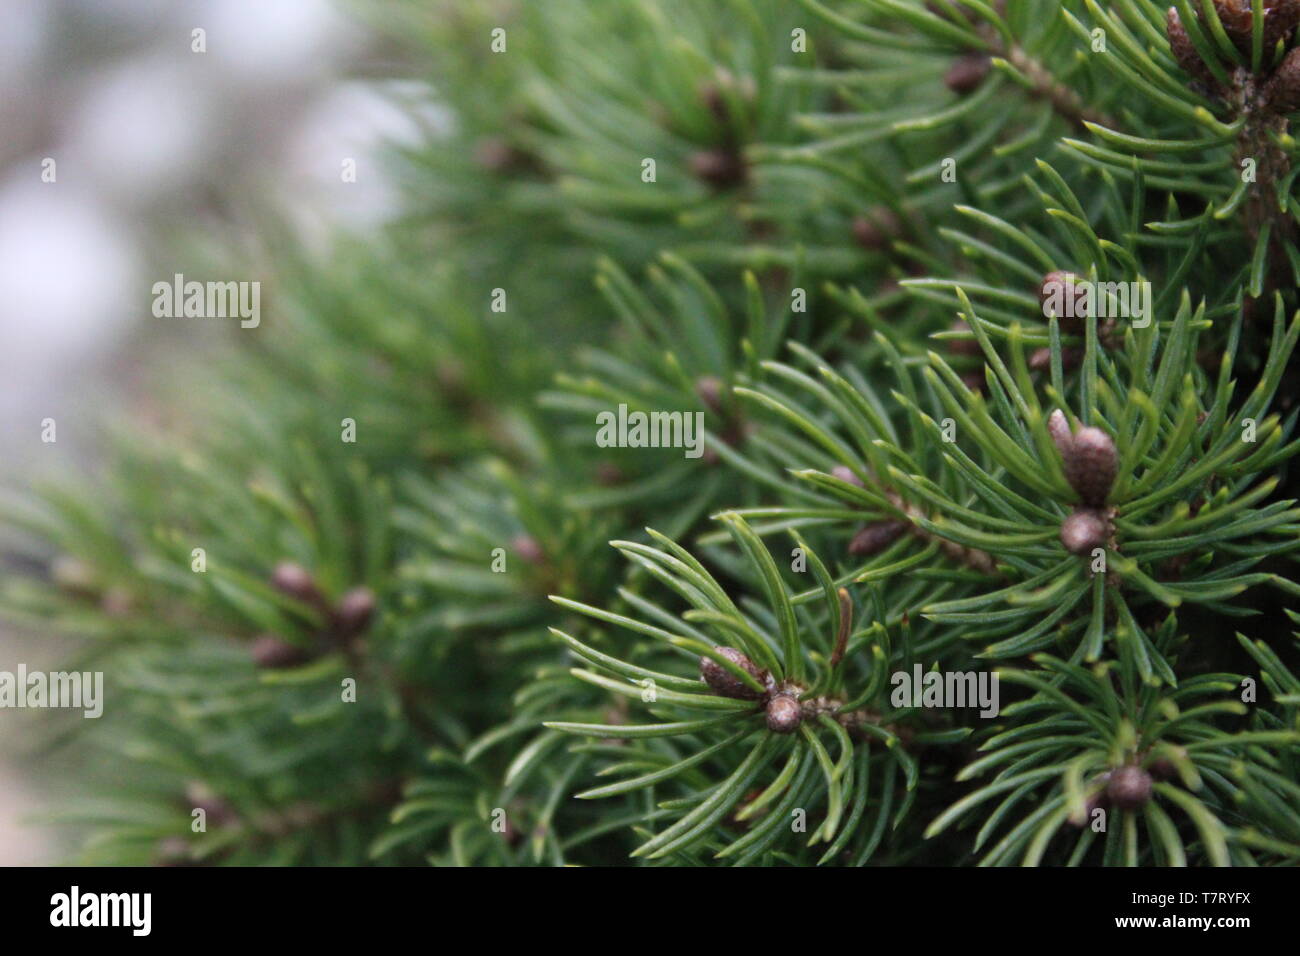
(847, 254)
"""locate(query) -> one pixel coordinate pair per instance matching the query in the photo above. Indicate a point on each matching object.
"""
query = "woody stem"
(1258, 153)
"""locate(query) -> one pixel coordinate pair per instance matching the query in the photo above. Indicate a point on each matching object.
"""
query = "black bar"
(581, 907)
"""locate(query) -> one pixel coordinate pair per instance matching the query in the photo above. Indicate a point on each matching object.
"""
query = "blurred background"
(151, 144)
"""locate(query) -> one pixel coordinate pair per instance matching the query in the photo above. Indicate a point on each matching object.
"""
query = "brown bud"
(508, 831)
(1184, 52)
(1083, 531)
(1091, 465)
(354, 611)
(784, 714)
(967, 73)
(274, 652)
(1237, 17)
(719, 168)
(726, 684)
(295, 581)
(116, 602)
(716, 103)
(714, 96)
(1041, 359)
(711, 391)
(173, 851)
(200, 796)
(1282, 91)
(526, 548)
(1280, 20)
(736, 433)
(846, 474)
(876, 228)
(1063, 295)
(876, 537)
(1129, 787)
(1162, 768)
(981, 561)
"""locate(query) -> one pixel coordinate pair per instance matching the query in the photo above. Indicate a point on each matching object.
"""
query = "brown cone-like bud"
(295, 581)
(1062, 294)
(173, 851)
(967, 73)
(274, 652)
(711, 391)
(202, 797)
(116, 602)
(526, 548)
(1237, 17)
(719, 168)
(1041, 359)
(1162, 768)
(1184, 52)
(354, 611)
(715, 101)
(726, 684)
(876, 537)
(846, 474)
(1282, 91)
(784, 714)
(1129, 787)
(510, 833)
(1091, 465)
(1083, 531)
(1280, 20)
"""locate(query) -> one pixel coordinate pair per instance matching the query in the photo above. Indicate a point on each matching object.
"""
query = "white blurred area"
(144, 133)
